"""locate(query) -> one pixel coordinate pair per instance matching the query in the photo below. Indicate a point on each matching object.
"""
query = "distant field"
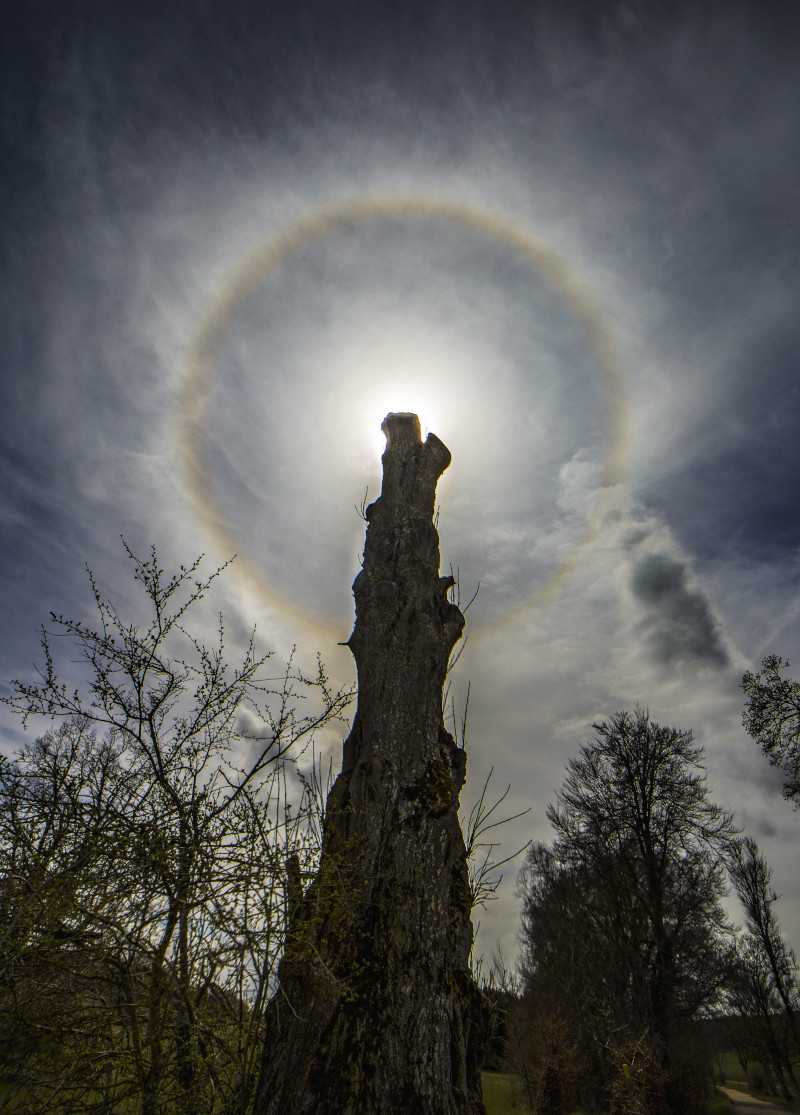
(728, 1064)
(500, 1095)
(736, 1077)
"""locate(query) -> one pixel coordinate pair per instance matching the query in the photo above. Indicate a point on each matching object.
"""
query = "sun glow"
(398, 377)
(408, 401)
(487, 387)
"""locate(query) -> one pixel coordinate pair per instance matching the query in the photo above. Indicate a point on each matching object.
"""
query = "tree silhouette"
(376, 1010)
(765, 993)
(772, 717)
(623, 931)
(142, 849)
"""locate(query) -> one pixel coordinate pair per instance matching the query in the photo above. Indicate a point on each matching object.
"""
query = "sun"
(398, 403)
(396, 377)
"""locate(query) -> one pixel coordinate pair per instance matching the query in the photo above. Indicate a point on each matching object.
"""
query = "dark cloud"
(678, 625)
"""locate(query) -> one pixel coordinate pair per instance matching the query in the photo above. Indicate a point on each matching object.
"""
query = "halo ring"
(197, 376)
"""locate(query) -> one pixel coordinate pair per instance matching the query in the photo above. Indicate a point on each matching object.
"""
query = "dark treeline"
(626, 950)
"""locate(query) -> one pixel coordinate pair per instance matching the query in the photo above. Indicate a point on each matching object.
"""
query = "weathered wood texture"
(377, 1013)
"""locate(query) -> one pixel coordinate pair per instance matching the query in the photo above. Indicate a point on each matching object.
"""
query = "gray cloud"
(679, 625)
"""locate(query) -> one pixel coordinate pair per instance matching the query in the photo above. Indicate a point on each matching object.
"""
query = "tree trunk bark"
(377, 1013)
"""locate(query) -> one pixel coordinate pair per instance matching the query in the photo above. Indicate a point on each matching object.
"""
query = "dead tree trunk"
(377, 1013)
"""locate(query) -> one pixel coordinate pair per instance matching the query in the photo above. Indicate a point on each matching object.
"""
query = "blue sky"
(652, 148)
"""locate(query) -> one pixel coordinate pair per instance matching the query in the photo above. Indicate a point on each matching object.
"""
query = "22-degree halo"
(195, 385)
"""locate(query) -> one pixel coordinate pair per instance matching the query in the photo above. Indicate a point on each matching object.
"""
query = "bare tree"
(143, 851)
(772, 717)
(765, 991)
(624, 935)
(55, 853)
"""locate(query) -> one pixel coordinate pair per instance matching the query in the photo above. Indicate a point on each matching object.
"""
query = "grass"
(727, 1065)
(719, 1104)
(501, 1095)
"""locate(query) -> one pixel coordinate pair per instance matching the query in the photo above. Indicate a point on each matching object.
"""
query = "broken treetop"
(411, 470)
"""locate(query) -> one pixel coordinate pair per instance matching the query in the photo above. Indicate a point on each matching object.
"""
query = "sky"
(236, 236)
